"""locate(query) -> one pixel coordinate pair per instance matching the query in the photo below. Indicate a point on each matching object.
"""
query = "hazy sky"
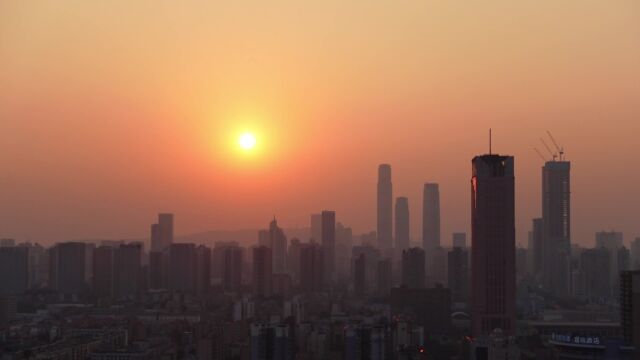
(111, 111)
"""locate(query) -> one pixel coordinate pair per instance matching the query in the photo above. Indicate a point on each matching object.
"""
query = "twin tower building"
(493, 235)
(430, 218)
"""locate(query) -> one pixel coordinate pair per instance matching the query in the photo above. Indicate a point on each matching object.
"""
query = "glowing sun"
(247, 141)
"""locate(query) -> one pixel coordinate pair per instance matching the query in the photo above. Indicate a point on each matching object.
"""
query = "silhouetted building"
(262, 271)
(316, 227)
(364, 341)
(128, 270)
(431, 307)
(14, 270)
(157, 270)
(231, 268)
(536, 248)
(329, 242)
(384, 276)
(156, 244)
(311, 268)
(278, 245)
(635, 254)
(413, 268)
(623, 263)
(103, 271)
(458, 274)
(385, 209)
(264, 238)
(612, 241)
(68, 268)
(203, 270)
(8, 309)
(595, 265)
(493, 245)
(430, 218)
(437, 267)
(360, 275)
(364, 267)
(402, 224)
(521, 262)
(165, 230)
(7, 242)
(344, 245)
(271, 342)
(556, 220)
(294, 259)
(459, 240)
(182, 267)
(630, 307)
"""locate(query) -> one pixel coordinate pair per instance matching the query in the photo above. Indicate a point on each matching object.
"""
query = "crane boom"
(560, 150)
(553, 155)
(540, 154)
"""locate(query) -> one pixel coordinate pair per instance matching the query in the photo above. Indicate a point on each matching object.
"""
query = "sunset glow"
(247, 141)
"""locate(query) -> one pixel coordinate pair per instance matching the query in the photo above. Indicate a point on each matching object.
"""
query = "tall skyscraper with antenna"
(493, 303)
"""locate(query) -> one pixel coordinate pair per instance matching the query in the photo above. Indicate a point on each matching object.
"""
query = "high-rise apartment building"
(385, 209)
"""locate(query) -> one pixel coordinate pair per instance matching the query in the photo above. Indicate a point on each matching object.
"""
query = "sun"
(247, 141)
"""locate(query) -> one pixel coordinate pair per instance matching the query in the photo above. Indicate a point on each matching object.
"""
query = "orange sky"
(113, 111)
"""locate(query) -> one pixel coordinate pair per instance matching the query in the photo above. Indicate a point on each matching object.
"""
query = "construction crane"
(540, 154)
(560, 150)
(553, 155)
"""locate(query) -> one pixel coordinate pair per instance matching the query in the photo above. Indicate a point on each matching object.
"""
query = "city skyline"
(298, 180)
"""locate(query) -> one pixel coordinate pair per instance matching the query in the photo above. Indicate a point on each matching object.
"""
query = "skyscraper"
(635, 254)
(182, 267)
(231, 268)
(402, 224)
(203, 270)
(459, 240)
(68, 268)
(14, 270)
(595, 265)
(612, 241)
(262, 271)
(630, 307)
(493, 244)
(385, 211)
(165, 229)
(458, 274)
(128, 269)
(329, 242)
(360, 274)
(157, 270)
(556, 225)
(384, 276)
(103, 271)
(278, 245)
(413, 268)
(311, 267)
(430, 218)
(156, 245)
